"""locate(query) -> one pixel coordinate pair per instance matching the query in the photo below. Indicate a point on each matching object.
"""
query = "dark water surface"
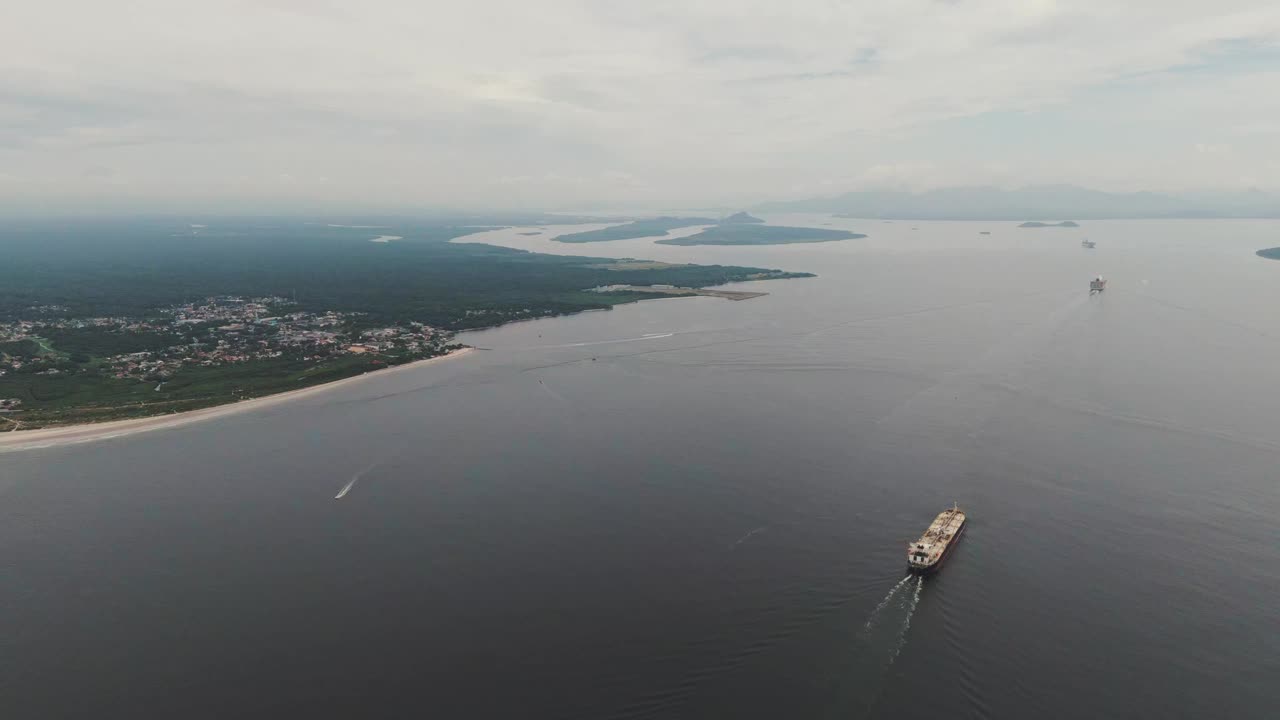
(585, 522)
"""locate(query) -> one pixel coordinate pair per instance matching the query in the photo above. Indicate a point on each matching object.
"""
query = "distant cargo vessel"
(926, 554)
(1097, 285)
(1088, 244)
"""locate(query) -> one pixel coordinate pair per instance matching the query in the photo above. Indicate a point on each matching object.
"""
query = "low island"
(1270, 253)
(1038, 224)
(760, 235)
(650, 227)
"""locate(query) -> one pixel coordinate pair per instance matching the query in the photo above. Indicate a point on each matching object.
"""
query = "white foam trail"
(746, 537)
(912, 601)
(875, 614)
(875, 646)
(354, 479)
(346, 488)
(654, 336)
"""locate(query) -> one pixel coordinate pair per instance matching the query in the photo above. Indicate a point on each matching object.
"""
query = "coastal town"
(213, 332)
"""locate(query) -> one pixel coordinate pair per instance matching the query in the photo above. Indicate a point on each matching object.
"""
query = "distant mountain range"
(1043, 202)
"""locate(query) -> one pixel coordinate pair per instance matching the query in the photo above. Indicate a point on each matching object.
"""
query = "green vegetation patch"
(627, 265)
(24, 349)
(102, 342)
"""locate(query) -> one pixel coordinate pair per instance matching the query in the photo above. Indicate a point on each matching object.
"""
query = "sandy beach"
(67, 434)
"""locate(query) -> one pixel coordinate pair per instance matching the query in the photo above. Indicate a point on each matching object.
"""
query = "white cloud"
(663, 102)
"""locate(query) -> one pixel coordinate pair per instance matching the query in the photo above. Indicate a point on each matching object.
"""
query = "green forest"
(135, 269)
(132, 268)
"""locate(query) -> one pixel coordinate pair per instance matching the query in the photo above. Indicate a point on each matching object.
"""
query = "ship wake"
(885, 632)
(352, 483)
(876, 645)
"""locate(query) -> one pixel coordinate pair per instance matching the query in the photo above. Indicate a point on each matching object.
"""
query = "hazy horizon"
(385, 105)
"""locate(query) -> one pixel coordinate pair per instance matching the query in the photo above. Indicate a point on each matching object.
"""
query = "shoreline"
(60, 435)
(87, 432)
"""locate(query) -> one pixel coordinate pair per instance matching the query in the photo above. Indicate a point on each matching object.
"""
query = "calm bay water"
(698, 508)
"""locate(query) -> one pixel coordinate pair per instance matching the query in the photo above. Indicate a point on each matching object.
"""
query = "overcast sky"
(630, 103)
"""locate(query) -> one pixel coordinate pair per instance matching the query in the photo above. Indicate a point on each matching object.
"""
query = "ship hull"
(951, 547)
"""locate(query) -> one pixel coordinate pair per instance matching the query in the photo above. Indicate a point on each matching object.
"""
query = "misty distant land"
(1270, 253)
(1038, 224)
(1035, 202)
(760, 235)
(648, 227)
(737, 229)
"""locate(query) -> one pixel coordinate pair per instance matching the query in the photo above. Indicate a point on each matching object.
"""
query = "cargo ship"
(1097, 285)
(1088, 244)
(926, 554)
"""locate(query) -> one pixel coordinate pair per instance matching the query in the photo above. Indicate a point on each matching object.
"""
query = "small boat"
(1087, 243)
(1097, 285)
(925, 555)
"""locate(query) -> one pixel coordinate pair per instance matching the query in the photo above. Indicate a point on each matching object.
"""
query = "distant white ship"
(1086, 243)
